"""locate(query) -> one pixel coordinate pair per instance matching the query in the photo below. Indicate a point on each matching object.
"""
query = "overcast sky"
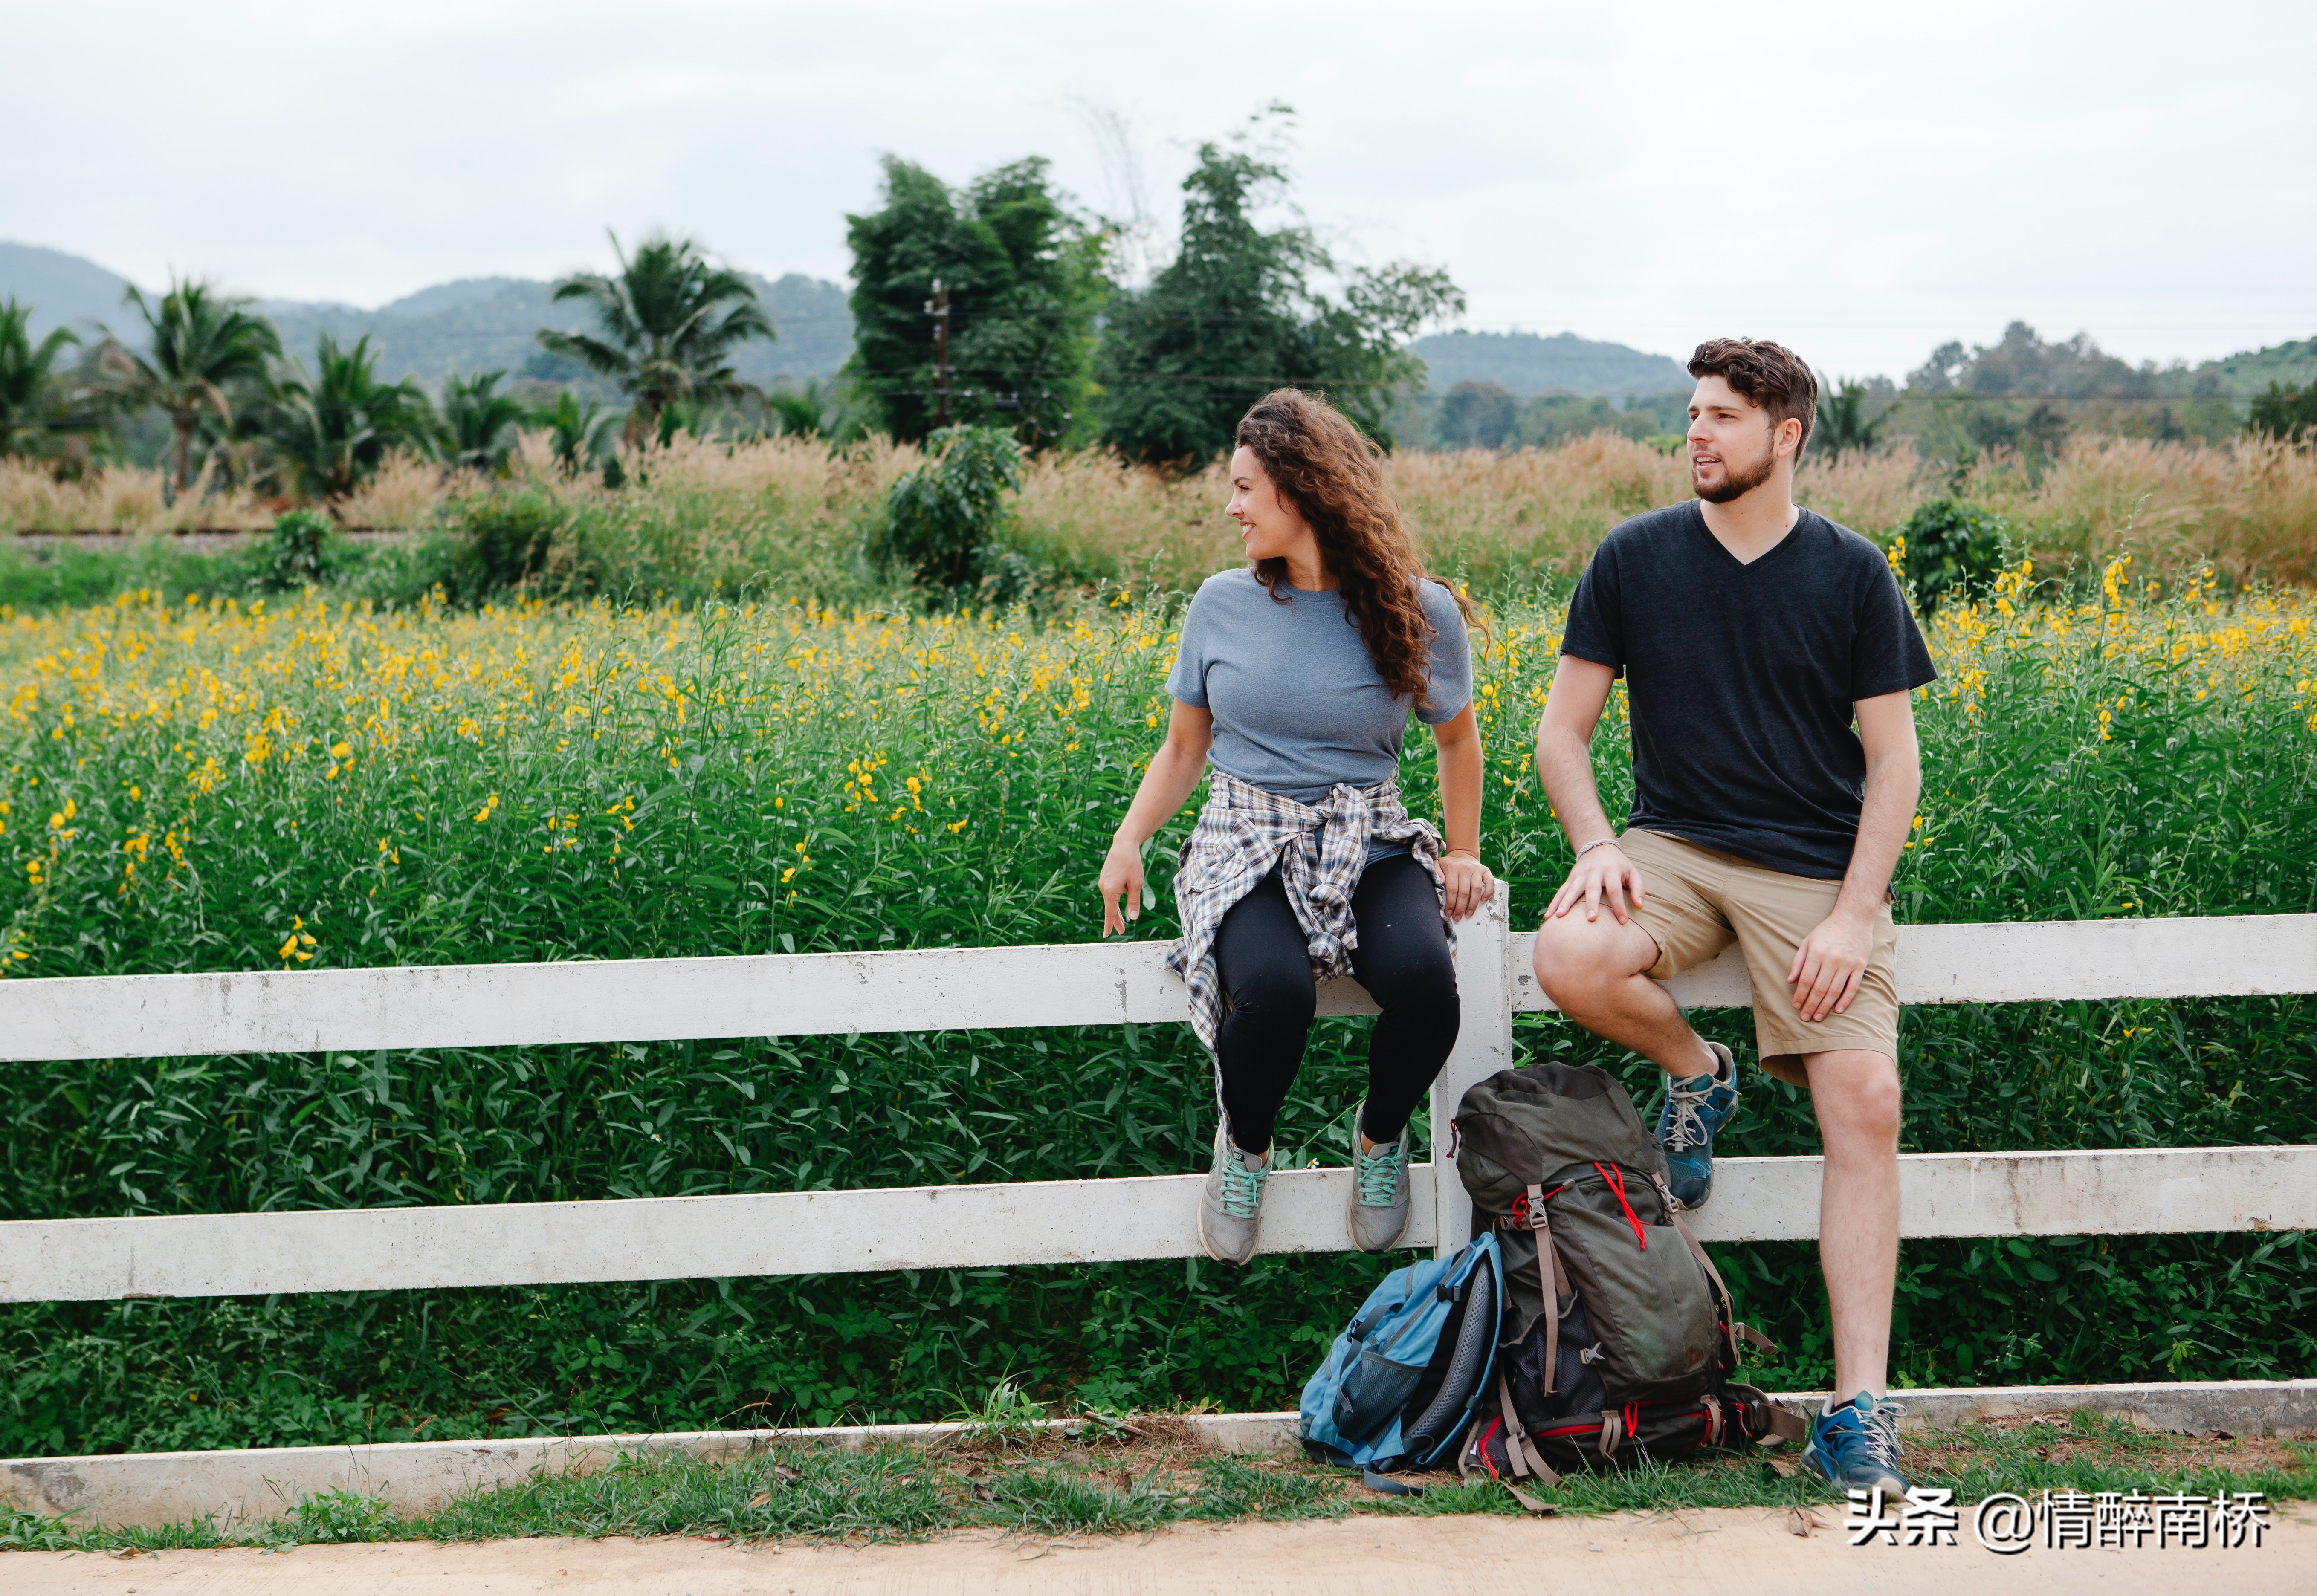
(1861, 182)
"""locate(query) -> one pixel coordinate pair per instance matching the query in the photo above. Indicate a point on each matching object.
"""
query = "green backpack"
(1633, 1349)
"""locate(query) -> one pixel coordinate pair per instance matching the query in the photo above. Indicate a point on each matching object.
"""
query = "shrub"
(507, 536)
(942, 516)
(1950, 550)
(299, 554)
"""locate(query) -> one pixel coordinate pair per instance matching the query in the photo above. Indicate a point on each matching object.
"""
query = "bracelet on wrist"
(1597, 842)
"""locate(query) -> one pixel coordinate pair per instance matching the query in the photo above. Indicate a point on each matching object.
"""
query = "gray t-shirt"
(1298, 703)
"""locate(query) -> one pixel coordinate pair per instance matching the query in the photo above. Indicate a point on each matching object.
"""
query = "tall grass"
(788, 516)
(309, 783)
(119, 499)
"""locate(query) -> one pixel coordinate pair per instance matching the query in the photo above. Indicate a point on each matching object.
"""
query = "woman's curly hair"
(1323, 466)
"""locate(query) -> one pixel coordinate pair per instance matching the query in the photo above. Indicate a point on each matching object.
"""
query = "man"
(1752, 634)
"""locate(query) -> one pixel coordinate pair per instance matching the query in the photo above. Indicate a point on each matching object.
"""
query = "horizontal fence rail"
(646, 1000)
(931, 1228)
(1946, 1194)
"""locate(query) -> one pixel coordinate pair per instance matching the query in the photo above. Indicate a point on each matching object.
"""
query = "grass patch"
(1108, 1482)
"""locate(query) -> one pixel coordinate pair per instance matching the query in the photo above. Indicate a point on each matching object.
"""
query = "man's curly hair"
(1323, 466)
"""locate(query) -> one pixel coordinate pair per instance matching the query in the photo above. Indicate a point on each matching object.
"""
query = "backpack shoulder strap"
(1729, 1310)
(1549, 1278)
(1523, 1453)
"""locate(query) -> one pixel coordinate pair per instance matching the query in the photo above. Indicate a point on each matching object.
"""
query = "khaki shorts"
(1698, 902)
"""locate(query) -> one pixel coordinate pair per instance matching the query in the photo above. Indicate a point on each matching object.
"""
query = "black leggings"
(1265, 968)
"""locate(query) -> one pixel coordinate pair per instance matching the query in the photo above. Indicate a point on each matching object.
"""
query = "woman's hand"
(1174, 770)
(1602, 875)
(1122, 872)
(1466, 883)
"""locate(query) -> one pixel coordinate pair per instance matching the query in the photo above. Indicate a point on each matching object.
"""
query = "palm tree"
(27, 370)
(478, 422)
(204, 344)
(579, 430)
(670, 322)
(800, 412)
(1841, 424)
(334, 429)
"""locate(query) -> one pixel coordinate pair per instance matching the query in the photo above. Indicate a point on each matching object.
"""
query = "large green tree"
(203, 349)
(669, 322)
(28, 373)
(332, 428)
(1237, 314)
(1022, 282)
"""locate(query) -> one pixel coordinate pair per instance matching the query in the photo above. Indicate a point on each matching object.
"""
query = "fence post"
(1484, 1045)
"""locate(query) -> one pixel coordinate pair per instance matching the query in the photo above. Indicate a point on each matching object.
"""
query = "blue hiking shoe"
(1856, 1447)
(1695, 1109)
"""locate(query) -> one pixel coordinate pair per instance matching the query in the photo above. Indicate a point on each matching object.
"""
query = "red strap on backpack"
(1616, 1179)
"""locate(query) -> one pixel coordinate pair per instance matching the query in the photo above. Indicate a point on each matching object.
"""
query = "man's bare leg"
(1854, 1093)
(1594, 971)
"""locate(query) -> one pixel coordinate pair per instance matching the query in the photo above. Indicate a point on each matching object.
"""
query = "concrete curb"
(150, 1489)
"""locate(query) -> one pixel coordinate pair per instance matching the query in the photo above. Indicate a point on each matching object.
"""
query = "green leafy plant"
(335, 427)
(800, 412)
(942, 518)
(28, 375)
(1005, 1417)
(580, 430)
(1842, 425)
(328, 1517)
(478, 422)
(508, 538)
(1952, 550)
(2285, 411)
(299, 552)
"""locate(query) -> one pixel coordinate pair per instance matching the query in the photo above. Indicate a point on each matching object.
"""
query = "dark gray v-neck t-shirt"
(1742, 678)
(1298, 704)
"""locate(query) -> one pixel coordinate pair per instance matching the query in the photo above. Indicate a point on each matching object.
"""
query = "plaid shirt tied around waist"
(1320, 849)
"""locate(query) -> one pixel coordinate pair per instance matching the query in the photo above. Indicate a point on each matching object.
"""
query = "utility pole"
(938, 308)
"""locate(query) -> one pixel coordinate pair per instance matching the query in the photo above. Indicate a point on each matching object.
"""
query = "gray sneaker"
(1377, 1213)
(1231, 1209)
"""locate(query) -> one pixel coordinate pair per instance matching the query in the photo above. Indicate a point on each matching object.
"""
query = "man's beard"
(1736, 484)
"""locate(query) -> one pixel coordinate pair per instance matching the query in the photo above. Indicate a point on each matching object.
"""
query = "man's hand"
(1466, 883)
(1604, 876)
(1829, 963)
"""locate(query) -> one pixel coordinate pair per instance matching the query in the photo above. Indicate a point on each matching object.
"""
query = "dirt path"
(1738, 1552)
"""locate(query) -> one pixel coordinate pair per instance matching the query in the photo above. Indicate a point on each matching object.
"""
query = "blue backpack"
(1411, 1371)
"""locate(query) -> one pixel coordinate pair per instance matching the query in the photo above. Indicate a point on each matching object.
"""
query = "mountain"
(487, 323)
(449, 296)
(1529, 364)
(2249, 373)
(474, 323)
(62, 290)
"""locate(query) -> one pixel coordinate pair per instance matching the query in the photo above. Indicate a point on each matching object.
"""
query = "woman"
(1299, 671)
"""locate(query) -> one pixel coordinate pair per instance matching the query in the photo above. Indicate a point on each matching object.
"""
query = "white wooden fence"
(2124, 1191)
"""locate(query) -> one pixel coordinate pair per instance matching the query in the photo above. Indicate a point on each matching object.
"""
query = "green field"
(215, 786)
